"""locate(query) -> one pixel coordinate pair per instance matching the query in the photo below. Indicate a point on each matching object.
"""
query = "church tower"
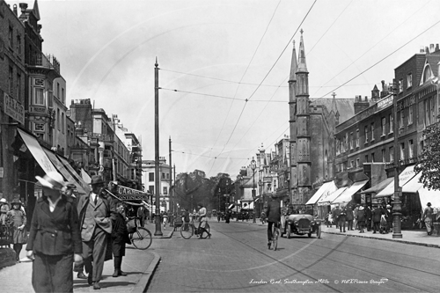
(303, 135)
(292, 122)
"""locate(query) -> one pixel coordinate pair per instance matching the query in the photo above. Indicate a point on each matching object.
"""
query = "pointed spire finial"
(156, 64)
(301, 31)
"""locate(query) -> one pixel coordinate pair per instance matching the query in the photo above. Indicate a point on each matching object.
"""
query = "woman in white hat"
(54, 240)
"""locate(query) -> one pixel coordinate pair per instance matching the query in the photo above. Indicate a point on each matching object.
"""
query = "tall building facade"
(312, 128)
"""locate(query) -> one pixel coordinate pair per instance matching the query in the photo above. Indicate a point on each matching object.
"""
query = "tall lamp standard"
(397, 189)
(260, 183)
(253, 167)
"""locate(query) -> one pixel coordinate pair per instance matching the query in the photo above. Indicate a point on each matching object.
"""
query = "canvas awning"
(346, 196)
(75, 174)
(326, 188)
(378, 187)
(404, 177)
(426, 195)
(37, 152)
(66, 174)
(331, 197)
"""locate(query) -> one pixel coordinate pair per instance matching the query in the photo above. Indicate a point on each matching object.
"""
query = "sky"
(224, 65)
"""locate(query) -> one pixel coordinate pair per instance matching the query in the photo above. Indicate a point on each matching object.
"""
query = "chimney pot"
(422, 49)
(431, 48)
(366, 99)
(23, 7)
(426, 50)
(437, 47)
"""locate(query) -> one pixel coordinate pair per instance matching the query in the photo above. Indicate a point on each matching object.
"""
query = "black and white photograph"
(172, 146)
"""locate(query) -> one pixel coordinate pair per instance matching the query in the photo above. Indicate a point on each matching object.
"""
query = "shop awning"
(37, 151)
(63, 170)
(84, 185)
(378, 187)
(346, 196)
(331, 197)
(326, 188)
(404, 177)
(425, 195)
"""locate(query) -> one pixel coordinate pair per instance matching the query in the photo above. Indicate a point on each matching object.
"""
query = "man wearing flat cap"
(96, 226)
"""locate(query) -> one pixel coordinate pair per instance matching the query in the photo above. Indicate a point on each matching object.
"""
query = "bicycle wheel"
(186, 231)
(141, 238)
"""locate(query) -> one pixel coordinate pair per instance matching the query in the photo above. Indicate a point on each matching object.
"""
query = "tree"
(191, 189)
(429, 160)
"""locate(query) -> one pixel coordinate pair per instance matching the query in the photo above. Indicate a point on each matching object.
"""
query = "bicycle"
(275, 234)
(140, 237)
(187, 230)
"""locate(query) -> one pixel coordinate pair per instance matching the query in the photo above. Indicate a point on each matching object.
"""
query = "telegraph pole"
(158, 231)
(397, 190)
(170, 189)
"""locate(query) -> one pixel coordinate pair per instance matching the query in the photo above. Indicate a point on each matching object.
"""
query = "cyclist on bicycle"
(273, 214)
(202, 219)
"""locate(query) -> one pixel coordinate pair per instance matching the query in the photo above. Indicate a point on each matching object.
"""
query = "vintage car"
(301, 224)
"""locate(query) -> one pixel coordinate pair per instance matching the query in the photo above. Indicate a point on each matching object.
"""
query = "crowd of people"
(378, 219)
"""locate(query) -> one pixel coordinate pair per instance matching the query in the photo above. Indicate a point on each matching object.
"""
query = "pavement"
(414, 237)
(138, 264)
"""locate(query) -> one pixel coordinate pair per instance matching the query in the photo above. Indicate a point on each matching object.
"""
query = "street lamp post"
(260, 183)
(397, 189)
(253, 167)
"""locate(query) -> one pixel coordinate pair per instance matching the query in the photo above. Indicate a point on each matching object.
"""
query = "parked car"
(301, 224)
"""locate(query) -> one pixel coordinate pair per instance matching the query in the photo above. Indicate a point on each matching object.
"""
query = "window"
(346, 141)
(400, 85)
(62, 123)
(168, 175)
(352, 164)
(366, 159)
(351, 141)
(402, 119)
(18, 45)
(366, 133)
(402, 151)
(63, 97)
(11, 79)
(372, 131)
(10, 37)
(18, 85)
(151, 177)
(372, 158)
(411, 149)
(163, 175)
(384, 125)
(426, 105)
(383, 155)
(391, 123)
(357, 138)
(409, 80)
(410, 115)
(165, 190)
(58, 119)
(151, 188)
(58, 91)
(391, 154)
(39, 96)
(357, 162)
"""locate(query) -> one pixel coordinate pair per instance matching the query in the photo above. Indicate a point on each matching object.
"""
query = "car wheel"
(289, 231)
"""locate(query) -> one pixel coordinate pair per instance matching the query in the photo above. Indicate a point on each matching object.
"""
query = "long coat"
(16, 218)
(349, 216)
(273, 211)
(119, 235)
(101, 215)
(57, 232)
(376, 215)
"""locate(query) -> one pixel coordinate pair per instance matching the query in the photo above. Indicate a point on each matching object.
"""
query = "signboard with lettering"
(127, 193)
(13, 108)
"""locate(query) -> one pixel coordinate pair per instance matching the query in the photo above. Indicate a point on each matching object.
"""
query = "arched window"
(427, 73)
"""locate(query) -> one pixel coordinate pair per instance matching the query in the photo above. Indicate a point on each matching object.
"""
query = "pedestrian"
(349, 217)
(96, 228)
(120, 237)
(165, 219)
(427, 217)
(376, 214)
(389, 217)
(141, 214)
(54, 240)
(342, 219)
(361, 219)
(368, 215)
(335, 213)
(16, 219)
(329, 219)
(4, 209)
(355, 212)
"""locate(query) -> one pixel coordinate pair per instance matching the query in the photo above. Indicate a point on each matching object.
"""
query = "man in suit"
(96, 227)
(273, 214)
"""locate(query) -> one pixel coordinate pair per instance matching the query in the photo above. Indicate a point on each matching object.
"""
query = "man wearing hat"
(96, 226)
(427, 218)
(54, 241)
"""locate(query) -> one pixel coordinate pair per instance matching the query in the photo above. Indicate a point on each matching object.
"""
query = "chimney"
(437, 48)
(15, 9)
(426, 50)
(359, 104)
(431, 48)
(422, 49)
(23, 7)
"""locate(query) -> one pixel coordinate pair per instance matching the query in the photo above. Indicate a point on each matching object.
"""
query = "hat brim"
(47, 184)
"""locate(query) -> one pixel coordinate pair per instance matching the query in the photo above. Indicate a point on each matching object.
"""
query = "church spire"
(293, 65)
(302, 67)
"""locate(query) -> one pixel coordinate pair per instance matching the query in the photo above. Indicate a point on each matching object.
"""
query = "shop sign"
(13, 108)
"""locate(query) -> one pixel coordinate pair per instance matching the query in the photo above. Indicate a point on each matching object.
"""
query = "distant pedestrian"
(17, 219)
(427, 218)
(349, 217)
(336, 213)
(368, 215)
(361, 219)
(120, 237)
(376, 214)
(389, 217)
(355, 212)
(165, 219)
